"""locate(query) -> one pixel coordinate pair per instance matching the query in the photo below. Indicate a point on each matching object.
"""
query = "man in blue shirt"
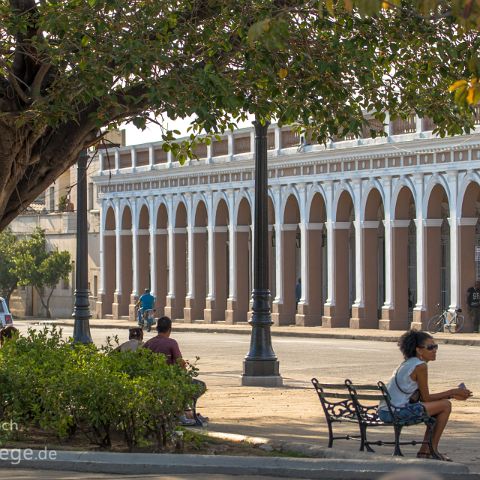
(146, 303)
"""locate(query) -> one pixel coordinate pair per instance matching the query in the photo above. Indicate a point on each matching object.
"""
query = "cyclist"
(145, 306)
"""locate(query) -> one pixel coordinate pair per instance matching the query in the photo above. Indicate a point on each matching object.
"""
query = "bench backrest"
(335, 399)
(365, 399)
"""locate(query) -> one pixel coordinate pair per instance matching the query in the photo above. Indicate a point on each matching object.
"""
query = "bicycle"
(453, 322)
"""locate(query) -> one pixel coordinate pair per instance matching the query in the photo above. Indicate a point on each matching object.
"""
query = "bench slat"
(368, 396)
(335, 386)
(345, 396)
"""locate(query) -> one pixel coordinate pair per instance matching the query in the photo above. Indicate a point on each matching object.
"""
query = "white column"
(388, 125)
(278, 138)
(455, 300)
(135, 249)
(153, 245)
(387, 188)
(359, 250)
(117, 160)
(101, 289)
(252, 140)
(191, 261)
(418, 124)
(329, 225)
(420, 224)
(304, 245)
(118, 250)
(169, 159)
(133, 154)
(151, 156)
(171, 248)
(279, 261)
(100, 163)
(230, 145)
(232, 243)
(211, 260)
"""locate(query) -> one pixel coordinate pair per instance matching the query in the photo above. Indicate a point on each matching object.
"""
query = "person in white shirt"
(135, 340)
(419, 348)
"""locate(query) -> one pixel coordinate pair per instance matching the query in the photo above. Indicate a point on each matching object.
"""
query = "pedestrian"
(145, 307)
(167, 346)
(298, 292)
(410, 380)
(473, 302)
(135, 340)
(7, 333)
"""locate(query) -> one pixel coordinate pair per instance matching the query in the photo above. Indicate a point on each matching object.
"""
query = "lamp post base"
(261, 373)
(267, 381)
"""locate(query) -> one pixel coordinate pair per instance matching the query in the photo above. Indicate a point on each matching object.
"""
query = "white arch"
(141, 202)
(124, 203)
(199, 197)
(158, 201)
(311, 192)
(371, 185)
(289, 190)
(468, 178)
(178, 199)
(399, 184)
(217, 198)
(245, 194)
(339, 189)
(435, 179)
(106, 205)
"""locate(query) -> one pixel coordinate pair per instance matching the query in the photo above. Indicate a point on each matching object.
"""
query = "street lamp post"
(261, 367)
(81, 309)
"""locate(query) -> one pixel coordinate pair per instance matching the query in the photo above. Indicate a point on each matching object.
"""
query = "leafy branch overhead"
(70, 68)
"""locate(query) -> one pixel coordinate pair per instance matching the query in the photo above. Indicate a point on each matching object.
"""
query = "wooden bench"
(357, 404)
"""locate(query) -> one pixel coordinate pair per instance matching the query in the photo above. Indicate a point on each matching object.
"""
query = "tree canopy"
(69, 68)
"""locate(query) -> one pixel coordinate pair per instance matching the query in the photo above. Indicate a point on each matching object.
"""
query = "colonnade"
(371, 252)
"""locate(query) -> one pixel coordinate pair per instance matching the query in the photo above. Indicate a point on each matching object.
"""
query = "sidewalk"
(472, 339)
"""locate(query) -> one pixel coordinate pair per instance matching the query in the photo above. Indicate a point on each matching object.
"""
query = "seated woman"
(418, 349)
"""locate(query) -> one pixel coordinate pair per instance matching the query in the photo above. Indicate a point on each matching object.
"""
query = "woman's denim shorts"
(411, 412)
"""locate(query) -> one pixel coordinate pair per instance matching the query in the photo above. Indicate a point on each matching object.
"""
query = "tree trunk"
(45, 304)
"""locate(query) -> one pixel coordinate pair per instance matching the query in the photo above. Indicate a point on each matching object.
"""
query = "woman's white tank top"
(398, 398)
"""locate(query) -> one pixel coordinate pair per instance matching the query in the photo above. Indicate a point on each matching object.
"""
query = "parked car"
(5, 315)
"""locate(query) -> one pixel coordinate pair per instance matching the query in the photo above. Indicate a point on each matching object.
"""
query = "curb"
(142, 463)
(181, 327)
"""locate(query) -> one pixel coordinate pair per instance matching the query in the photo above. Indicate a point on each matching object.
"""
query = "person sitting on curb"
(167, 346)
(135, 340)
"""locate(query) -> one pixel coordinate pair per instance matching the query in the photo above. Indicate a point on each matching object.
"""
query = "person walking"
(473, 302)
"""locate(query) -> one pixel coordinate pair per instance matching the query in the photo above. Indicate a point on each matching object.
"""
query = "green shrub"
(64, 388)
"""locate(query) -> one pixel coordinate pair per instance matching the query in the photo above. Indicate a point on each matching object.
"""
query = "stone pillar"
(210, 301)
(339, 315)
(432, 265)
(366, 316)
(230, 316)
(195, 301)
(152, 245)
(466, 265)
(117, 296)
(419, 310)
(309, 312)
(178, 279)
(396, 316)
(100, 308)
(135, 271)
(387, 308)
(190, 298)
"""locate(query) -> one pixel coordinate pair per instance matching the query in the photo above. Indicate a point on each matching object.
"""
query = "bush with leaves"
(63, 388)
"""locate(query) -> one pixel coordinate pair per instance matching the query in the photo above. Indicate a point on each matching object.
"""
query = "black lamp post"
(81, 309)
(261, 367)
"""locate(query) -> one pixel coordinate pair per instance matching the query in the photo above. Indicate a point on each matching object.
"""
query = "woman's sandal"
(439, 456)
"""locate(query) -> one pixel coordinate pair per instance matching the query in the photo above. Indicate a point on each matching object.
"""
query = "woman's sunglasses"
(430, 347)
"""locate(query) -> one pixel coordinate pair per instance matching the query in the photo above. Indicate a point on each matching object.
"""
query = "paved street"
(293, 413)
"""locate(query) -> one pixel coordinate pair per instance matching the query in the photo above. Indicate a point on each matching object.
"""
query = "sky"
(153, 133)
